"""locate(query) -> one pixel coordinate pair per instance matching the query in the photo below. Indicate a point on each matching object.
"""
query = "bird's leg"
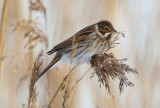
(99, 35)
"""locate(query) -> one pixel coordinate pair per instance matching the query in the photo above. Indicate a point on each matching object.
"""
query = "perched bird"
(79, 48)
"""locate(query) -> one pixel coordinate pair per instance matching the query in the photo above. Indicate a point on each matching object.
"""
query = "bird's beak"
(114, 30)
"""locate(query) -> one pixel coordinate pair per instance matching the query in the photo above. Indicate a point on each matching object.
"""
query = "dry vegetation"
(37, 5)
(3, 32)
(31, 31)
(20, 66)
(34, 77)
(107, 67)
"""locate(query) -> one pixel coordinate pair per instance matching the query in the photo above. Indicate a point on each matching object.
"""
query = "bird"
(79, 48)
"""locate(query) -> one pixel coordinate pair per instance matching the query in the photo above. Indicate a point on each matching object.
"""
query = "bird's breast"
(85, 50)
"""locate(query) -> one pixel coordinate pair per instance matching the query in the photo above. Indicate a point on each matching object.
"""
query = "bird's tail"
(55, 60)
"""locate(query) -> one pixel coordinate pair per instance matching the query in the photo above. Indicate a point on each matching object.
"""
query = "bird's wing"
(79, 36)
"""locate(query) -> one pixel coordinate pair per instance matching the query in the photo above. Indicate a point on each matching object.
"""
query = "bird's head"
(106, 28)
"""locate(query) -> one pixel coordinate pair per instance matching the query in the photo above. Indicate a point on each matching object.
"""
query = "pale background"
(140, 19)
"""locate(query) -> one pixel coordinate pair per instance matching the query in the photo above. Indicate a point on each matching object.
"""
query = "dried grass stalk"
(67, 85)
(32, 88)
(107, 67)
(67, 91)
(31, 31)
(61, 86)
(37, 5)
(3, 32)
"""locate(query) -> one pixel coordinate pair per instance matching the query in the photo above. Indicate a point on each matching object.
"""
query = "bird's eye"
(107, 28)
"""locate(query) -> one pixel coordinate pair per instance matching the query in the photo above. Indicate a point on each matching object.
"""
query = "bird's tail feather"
(55, 60)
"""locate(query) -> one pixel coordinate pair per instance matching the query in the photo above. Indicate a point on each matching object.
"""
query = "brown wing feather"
(79, 36)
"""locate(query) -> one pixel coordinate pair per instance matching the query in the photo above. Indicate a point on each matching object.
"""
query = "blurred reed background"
(139, 19)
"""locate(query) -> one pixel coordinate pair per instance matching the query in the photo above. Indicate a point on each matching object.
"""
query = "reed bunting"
(79, 48)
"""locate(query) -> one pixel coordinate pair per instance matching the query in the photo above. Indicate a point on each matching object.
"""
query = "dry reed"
(37, 5)
(61, 86)
(3, 32)
(107, 67)
(67, 86)
(31, 32)
(34, 77)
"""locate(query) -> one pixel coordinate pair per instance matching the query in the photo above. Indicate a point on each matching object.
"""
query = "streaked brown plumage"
(89, 41)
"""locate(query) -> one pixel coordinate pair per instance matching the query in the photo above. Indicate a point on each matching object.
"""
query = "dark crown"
(104, 23)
